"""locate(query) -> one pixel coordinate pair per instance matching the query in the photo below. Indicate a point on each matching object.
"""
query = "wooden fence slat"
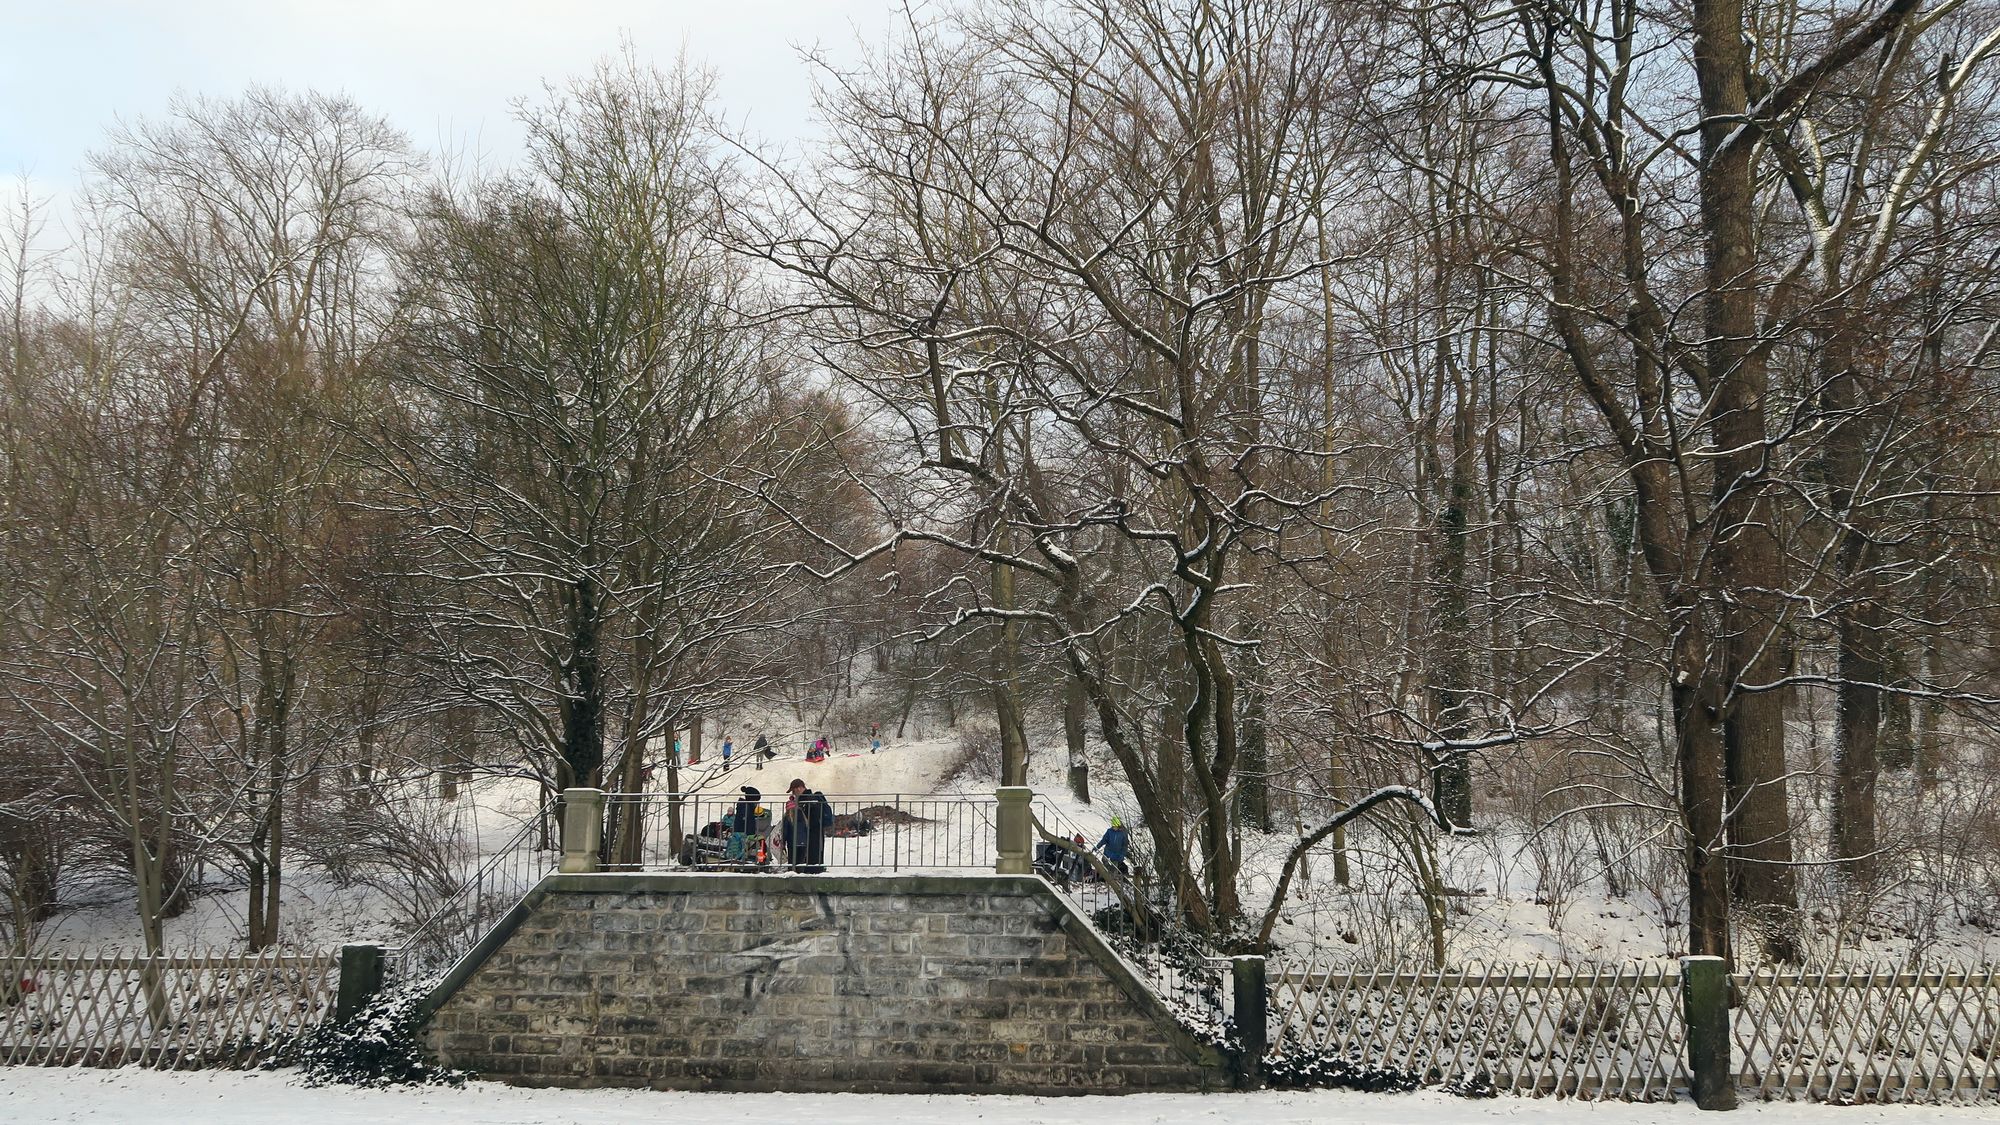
(202, 1008)
(1862, 1033)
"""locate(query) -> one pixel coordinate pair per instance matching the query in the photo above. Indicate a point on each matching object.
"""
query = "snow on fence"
(175, 1010)
(1618, 1031)
(1874, 1034)
(1595, 1032)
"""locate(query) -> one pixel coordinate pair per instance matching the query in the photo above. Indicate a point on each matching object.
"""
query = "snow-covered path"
(31, 1094)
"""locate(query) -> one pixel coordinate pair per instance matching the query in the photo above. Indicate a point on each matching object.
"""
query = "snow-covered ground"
(319, 912)
(30, 1094)
(1500, 909)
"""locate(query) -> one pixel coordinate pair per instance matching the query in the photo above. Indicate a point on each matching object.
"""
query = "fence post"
(1014, 853)
(360, 979)
(1252, 1016)
(582, 829)
(1705, 1008)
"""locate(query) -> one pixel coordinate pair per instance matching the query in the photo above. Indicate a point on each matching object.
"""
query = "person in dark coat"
(762, 751)
(807, 818)
(743, 824)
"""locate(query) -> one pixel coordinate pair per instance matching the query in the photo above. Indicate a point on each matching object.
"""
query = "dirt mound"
(889, 814)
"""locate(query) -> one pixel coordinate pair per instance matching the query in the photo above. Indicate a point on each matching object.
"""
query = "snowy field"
(1500, 915)
(29, 1094)
(320, 913)
(1502, 909)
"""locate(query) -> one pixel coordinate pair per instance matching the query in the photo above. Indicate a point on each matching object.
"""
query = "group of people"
(799, 840)
(762, 751)
(1071, 864)
(821, 748)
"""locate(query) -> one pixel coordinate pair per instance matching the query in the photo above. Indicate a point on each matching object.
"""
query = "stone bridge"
(876, 983)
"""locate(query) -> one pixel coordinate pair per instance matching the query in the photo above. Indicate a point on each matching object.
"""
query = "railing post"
(1705, 1010)
(1252, 1016)
(360, 979)
(1014, 854)
(582, 829)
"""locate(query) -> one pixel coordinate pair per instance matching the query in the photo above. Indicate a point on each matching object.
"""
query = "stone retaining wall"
(799, 982)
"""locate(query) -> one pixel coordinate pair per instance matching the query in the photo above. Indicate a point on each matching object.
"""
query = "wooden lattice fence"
(177, 1010)
(1875, 1034)
(1605, 1031)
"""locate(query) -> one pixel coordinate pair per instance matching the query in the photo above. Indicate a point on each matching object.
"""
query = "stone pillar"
(1705, 1007)
(360, 979)
(1015, 851)
(582, 829)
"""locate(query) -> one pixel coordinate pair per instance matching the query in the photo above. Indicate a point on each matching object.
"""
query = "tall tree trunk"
(625, 820)
(1253, 779)
(275, 883)
(277, 749)
(1075, 715)
(583, 703)
(1337, 789)
(1748, 562)
(1451, 776)
(253, 926)
(1857, 614)
(1856, 734)
(1006, 681)
(1703, 796)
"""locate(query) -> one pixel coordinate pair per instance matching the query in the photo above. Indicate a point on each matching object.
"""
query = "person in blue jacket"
(1115, 844)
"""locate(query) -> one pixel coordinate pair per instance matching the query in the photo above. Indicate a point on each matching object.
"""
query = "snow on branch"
(1341, 820)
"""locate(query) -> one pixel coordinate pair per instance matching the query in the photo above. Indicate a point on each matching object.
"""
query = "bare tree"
(578, 391)
(1048, 249)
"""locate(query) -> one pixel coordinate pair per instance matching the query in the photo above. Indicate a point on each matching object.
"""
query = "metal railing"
(859, 831)
(496, 881)
(1139, 920)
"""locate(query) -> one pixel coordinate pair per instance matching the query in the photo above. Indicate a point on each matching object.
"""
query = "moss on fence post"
(1251, 1014)
(1705, 1007)
(360, 979)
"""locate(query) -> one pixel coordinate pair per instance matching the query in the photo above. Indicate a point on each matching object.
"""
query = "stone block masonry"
(886, 984)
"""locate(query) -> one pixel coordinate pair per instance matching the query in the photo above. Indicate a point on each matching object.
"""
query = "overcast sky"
(444, 71)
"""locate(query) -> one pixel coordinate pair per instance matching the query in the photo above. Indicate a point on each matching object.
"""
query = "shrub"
(381, 1046)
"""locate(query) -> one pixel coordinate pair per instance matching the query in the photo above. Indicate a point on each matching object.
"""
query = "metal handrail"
(462, 916)
(871, 831)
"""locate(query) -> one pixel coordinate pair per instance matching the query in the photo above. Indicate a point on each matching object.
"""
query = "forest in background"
(1578, 414)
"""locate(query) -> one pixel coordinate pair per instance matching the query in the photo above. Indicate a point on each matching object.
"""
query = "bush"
(1306, 1071)
(381, 1046)
(1479, 1085)
(1299, 1069)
